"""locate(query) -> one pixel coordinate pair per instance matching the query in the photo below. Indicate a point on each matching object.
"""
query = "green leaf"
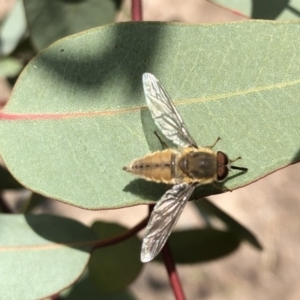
(114, 267)
(201, 245)
(10, 67)
(244, 7)
(83, 289)
(51, 20)
(270, 9)
(68, 135)
(41, 255)
(13, 29)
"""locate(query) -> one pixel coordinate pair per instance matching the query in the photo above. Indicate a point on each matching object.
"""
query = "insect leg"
(214, 144)
(233, 160)
(222, 188)
(237, 168)
(225, 189)
(163, 144)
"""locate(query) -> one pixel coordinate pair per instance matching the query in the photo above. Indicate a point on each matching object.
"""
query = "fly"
(185, 168)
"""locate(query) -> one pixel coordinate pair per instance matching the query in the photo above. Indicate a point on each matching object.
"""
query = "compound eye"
(222, 172)
(222, 169)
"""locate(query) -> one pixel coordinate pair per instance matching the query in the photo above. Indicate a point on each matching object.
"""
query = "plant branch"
(172, 272)
(171, 268)
(136, 10)
(123, 236)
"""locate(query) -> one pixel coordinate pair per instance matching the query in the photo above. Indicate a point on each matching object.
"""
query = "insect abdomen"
(157, 166)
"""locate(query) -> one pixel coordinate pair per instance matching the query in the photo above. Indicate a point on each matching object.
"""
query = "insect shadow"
(146, 189)
(141, 187)
(152, 190)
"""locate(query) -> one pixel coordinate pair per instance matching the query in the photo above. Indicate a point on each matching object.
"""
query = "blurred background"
(268, 208)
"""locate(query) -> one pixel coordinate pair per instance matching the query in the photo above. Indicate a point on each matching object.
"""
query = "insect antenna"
(239, 168)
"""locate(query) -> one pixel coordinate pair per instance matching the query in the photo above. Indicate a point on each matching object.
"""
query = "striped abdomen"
(158, 166)
(201, 165)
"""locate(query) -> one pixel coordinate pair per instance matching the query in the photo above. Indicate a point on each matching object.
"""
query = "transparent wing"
(163, 218)
(164, 113)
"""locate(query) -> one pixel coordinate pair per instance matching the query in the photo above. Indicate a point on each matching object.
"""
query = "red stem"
(172, 272)
(171, 268)
(136, 10)
(123, 236)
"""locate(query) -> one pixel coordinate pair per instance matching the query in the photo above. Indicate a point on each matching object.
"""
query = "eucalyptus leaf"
(83, 289)
(114, 267)
(10, 67)
(41, 254)
(51, 20)
(76, 115)
(13, 29)
(201, 245)
(268, 9)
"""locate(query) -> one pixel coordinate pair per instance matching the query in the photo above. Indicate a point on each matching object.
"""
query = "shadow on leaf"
(201, 245)
(62, 231)
(146, 189)
(268, 10)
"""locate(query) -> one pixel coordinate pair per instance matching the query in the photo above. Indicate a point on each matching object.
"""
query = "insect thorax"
(199, 164)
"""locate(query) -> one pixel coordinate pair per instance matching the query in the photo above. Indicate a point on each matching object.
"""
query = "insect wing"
(163, 218)
(164, 113)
